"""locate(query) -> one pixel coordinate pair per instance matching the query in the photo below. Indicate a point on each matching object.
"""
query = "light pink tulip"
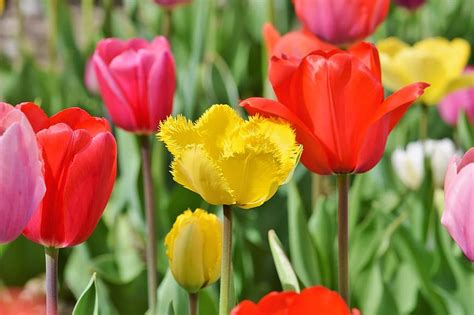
(21, 177)
(137, 81)
(451, 106)
(341, 21)
(458, 215)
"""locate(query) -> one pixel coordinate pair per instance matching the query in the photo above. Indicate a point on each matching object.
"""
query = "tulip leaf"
(171, 298)
(285, 271)
(302, 249)
(88, 303)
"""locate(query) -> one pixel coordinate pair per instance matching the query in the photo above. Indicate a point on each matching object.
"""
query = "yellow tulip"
(2, 6)
(228, 160)
(436, 61)
(194, 249)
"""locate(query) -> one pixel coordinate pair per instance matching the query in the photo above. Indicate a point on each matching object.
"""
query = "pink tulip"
(90, 79)
(171, 3)
(341, 21)
(137, 81)
(458, 216)
(22, 183)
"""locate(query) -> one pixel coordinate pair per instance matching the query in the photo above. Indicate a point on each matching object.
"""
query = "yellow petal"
(453, 54)
(195, 170)
(391, 46)
(177, 133)
(393, 76)
(462, 82)
(216, 125)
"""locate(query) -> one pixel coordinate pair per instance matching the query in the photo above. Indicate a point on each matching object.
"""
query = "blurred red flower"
(335, 101)
(80, 158)
(15, 301)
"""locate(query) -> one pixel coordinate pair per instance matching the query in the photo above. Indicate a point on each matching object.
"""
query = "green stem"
(193, 304)
(87, 11)
(150, 222)
(226, 262)
(343, 236)
(52, 6)
(316, 185)
(167, 19)
(51, 257)
(424, 122)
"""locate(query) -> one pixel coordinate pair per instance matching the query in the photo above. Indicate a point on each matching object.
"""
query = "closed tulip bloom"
(409, 164)
(171, 3)
(137, 81)
(230, 161)
(335, 101)
(436, 61)
(440, 153)
(314, 300)
(458, 215)
(80, 157)
(410, 4)
(341, 21)
(296, 44)
(194, 249)
(22, 183)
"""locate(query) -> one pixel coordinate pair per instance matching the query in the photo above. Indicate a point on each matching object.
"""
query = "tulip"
(90, 79)
(314, 300)
(410, 4)
(22, 183)
(79, 154)
(335, 102)
(296, 44)
(409, 164)
(439, 153)
(21, 302)
(341, 21)
(171, 3)
(194, 248)
(228, 160)
(458, 216)
(434, 60)
(137, 81)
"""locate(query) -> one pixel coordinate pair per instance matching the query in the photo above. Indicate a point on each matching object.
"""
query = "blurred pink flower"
(410, 4)
(90, 79)
(22, 184)
(458, 215)
(171, 3)
(137, 81)
(341, 21)
(15, 301)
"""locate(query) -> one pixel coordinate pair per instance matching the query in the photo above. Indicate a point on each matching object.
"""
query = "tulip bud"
(194, 248)
(409, 164)
(440, 153)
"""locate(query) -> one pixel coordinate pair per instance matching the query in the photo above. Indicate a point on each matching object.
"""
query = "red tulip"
(80, 157)
(315, 300)
(137, 81)
(335, 102)
(296, 44)
(21, 302)
(22, 183)
(341, 21)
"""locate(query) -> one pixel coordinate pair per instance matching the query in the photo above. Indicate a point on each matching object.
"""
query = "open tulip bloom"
(230, 161)
(335, 102)
(21, 168)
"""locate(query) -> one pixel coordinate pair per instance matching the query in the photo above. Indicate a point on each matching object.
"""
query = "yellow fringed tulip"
(436, 61)
(228, 160)
(194, 249)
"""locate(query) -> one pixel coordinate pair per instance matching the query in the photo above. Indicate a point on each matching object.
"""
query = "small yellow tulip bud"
(194, 249)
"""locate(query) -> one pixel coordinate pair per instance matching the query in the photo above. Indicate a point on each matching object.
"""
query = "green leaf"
(302, 249)
(285, 271)
(88, 303)
(171, 297)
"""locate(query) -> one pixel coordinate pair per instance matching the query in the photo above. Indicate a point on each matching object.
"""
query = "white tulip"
(409, 164)
(440, 153)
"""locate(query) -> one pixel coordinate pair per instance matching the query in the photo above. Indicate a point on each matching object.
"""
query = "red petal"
(276, 302)
(270, 37)
(369, 55)
(77, 118)
(36, 116)
(319, 300)
(246, 308)
(314, 156)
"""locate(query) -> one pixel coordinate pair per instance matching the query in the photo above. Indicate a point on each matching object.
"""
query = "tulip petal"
(458, 217)
(319, 300)
(36, 116)
(194, 169)
(277, 302)
(178, 132)
(78, 118)
(315, 156)
(391, 46)
(246, 308)
(270, 36)
(368, 54)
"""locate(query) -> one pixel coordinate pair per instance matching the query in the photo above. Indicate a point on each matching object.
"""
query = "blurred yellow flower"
(2, 6)
(194, 249)
(436, 61)
(228, 160)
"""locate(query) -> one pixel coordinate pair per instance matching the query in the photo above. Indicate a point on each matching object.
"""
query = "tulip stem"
(193, 304)
(51, 256)
(226, 262)
(167, 20)
(424, 122)
(343, 236)
(150, 222)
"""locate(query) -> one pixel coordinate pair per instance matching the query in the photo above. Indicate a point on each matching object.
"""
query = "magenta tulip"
(137, 81)
(410, 4)
(22, 184)
(90, 79)
(341, 21)
(171, 3)
(459, 101)
(458, 216)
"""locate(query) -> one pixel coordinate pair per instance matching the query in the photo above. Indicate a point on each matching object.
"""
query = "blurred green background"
(402, 260)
